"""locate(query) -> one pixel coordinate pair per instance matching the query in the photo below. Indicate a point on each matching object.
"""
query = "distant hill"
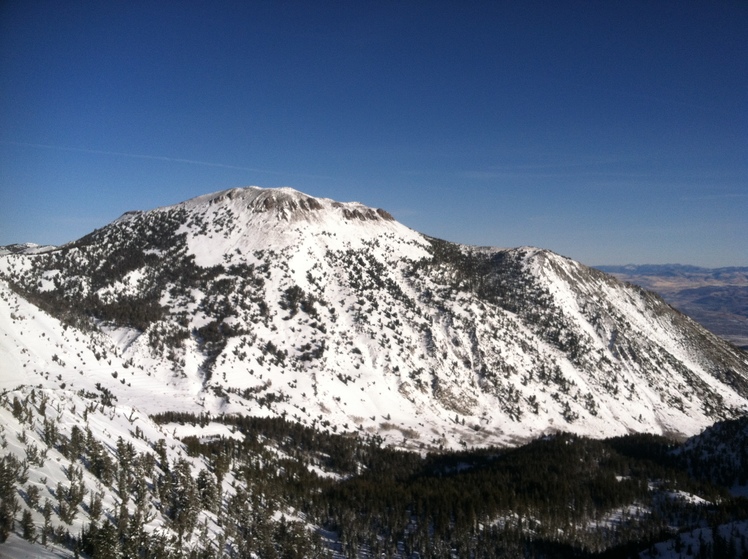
(715, 297)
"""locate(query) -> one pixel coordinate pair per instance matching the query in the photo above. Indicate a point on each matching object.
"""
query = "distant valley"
(715, 297)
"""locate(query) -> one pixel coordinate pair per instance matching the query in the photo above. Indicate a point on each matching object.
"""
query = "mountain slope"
(720, 455)
(716, 297)
(271, 302)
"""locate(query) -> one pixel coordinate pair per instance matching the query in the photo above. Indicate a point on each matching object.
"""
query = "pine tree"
(106, 543)
(208, 491)
(76, 444)
(47, 513)
(185, 502)
(95, 506)
(28, 527)
(123, 517)
(8, 501)
(50, 433)
(17, 409)
(32, 494)
(8, 507)
(160, 448)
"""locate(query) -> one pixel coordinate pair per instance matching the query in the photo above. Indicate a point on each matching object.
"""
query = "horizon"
(612, 134)
(597, 265)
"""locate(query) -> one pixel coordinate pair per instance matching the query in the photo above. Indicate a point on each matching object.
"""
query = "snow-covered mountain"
(271, 302)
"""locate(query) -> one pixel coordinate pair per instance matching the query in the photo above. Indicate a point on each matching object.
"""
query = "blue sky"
(610, 132)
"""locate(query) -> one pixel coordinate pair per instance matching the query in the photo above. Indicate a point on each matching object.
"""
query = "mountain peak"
(255, 218)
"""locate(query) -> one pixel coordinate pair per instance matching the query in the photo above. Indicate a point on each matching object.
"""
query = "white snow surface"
(263, 218)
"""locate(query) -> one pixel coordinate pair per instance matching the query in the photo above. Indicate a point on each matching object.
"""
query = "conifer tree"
(47, 513)
(185, 501)
(28, 526)
(8, 501)
(207, 490)
(106, 543)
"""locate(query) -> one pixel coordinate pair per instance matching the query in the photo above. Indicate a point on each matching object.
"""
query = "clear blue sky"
(610, 132)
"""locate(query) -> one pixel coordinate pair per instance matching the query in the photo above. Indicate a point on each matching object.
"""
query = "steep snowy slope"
(272, 302)
(78, 470)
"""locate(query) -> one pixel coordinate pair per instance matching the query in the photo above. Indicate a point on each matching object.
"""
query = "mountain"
(715, 297)
(270, 302)
(261, 373)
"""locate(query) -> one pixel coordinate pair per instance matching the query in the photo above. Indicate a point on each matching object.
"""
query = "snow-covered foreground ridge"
(271, 302)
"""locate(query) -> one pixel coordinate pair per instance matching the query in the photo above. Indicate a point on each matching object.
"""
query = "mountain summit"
(275, 303)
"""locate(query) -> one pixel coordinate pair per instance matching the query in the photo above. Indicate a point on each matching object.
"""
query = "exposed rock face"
(288, 204)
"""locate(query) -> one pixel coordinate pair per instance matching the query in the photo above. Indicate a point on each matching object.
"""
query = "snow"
(68, 410)
(15, 547)
(689, 544)
(283, 224)
(204, 433)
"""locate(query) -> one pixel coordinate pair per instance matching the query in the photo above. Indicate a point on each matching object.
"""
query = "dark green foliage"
(210, 333)
(720, 454)
(492, 276)
(487, 503)
(212, 337)
(548, 498)
(70, 496)
(294, 298)
(99, 461)
(27, 526)
(105, 257)
(184, 501)
(18, 411)
(207, 490)
(47, 528)
(645, 446)
(95, 506)
(8, 502)
(102, 542)
(135, 313)
(50, 432)
(500, 278)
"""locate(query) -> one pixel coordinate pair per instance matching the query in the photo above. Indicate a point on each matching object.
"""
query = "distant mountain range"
(715, 297)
